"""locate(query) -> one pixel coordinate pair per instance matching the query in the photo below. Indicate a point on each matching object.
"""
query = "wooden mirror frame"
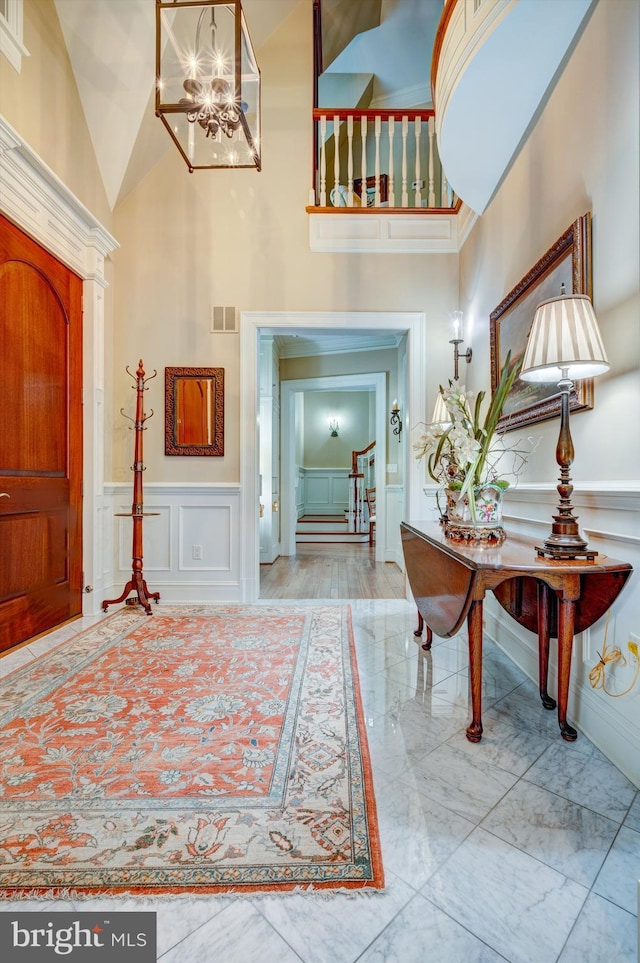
(174, 379)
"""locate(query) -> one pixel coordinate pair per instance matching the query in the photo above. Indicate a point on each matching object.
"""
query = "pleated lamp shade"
(441, 417)
(564, 341)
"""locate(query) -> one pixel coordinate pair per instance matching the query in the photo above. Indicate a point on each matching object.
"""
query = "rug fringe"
(73, 896)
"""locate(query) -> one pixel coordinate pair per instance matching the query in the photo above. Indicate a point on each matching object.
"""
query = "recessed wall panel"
(205, 538)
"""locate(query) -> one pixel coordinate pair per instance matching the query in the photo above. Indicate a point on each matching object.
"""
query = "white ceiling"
(306, 342)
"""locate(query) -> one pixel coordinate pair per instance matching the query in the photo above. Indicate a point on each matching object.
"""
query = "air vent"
(224, 320)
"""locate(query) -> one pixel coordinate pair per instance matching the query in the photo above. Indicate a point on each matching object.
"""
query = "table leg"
(566, 614)
(426, 645)
(544, 606)
(474, 625)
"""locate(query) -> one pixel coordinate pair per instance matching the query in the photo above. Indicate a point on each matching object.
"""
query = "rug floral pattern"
(200, 749)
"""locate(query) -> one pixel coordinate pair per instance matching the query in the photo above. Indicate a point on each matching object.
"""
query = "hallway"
(331, 571)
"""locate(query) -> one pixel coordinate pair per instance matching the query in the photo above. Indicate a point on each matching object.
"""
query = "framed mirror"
(194, 411)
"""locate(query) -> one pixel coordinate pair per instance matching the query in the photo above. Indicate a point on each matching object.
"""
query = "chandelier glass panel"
(208, 83)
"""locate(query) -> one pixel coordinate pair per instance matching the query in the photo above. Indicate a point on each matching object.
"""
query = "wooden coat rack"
(137, 582)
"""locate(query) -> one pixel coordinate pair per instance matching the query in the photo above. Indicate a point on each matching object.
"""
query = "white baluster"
(444, 193)
(378, 125)
(405, 132)
(336, 154)
(350, 161)
(392, 195)
(418, 197)
(432, 183)
(351, 512)
(323, 161)
(363, 160)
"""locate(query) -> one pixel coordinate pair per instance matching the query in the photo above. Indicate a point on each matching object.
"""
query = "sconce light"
(208, 83)
(395, 420)
(334, 427)
(564, 343)
(455, 340)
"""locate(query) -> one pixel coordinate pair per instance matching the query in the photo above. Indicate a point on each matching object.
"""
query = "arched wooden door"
(40, 439)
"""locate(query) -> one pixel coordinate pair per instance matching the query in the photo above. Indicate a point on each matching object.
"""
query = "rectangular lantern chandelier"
(208, 83)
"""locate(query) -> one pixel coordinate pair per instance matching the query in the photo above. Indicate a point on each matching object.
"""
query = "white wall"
(582, 155)
(351, 409)
(190, 241)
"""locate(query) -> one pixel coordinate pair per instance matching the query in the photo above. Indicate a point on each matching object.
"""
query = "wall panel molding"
(191, 547)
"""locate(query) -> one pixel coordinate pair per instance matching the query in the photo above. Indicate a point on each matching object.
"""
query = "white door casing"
(251, 324)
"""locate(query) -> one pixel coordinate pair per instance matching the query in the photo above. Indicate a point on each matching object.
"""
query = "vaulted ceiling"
(111, 45)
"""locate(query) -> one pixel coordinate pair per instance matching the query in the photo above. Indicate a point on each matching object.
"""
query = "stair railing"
(362, 472)
(371, 159)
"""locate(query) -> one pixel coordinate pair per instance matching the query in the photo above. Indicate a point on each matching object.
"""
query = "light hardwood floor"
(331, 571)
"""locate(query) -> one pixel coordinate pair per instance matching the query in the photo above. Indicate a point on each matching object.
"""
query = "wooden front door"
(40, 439)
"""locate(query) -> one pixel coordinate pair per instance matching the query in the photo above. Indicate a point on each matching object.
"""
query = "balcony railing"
(366, 160)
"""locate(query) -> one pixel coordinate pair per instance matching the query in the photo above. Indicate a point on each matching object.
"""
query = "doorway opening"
(290, 414)
(256, 324)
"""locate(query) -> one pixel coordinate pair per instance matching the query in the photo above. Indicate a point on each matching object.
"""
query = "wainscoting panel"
(325, 491)
(395, 499)
(191, 546)
(156, 529)
(205, 538)
(317, 491)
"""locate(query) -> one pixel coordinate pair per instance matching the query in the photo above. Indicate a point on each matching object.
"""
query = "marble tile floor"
(522, 848)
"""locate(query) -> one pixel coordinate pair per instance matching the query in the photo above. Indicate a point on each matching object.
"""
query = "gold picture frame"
(567, 262)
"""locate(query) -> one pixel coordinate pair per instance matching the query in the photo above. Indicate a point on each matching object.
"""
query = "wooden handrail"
(343, 113)
(355, 455)
(437, 44)
(369, 211)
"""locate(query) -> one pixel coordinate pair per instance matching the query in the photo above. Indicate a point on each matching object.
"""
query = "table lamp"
(441, 417)
(564, 344)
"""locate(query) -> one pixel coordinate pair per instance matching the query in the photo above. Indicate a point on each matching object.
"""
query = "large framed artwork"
(567, 262)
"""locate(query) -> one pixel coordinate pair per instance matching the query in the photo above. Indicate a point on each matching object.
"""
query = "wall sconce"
(455, 340)
(334, 427)
(564, 343)
(396, 421)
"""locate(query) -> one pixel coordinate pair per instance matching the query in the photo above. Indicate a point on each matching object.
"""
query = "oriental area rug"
(200, 750)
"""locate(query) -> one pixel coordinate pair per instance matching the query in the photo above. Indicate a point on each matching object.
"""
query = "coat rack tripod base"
(137, 581)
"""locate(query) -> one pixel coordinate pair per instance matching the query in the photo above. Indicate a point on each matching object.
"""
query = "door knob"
(5, 495)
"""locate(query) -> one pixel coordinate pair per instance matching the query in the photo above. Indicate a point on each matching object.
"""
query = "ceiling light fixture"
(208, 83)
